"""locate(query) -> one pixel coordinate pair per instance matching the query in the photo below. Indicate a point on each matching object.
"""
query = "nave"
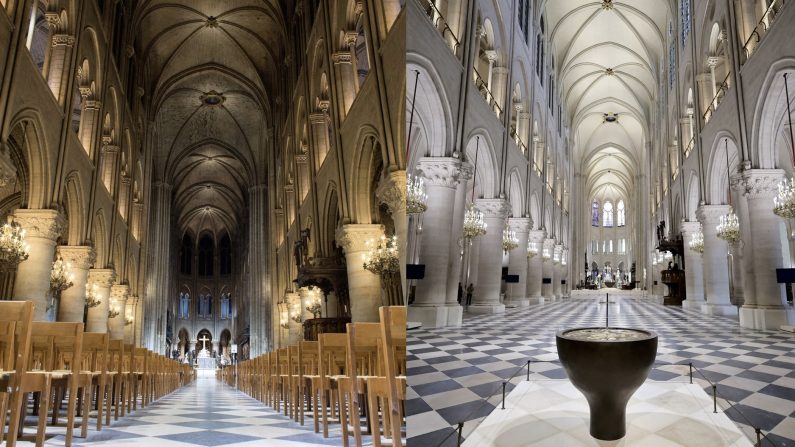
(455, 374)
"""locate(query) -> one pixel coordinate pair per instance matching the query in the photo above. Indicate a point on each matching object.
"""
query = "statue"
(301, 248)
(661, 231)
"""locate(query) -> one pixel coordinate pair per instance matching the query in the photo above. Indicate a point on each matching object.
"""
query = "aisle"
(204, 413)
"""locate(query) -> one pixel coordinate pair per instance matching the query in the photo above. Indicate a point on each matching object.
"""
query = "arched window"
(184, 305)
(595, 213)
(620, 217)
(206, 254)
(199, 304)
(38, 37)
(608, 215)
(208, 307)
(362, 56)
(186, 255)
(226, 255)
(226, 306)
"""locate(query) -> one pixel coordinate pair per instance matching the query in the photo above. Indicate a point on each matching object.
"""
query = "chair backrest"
(393, 327)
(139, 360)
(332, 353)
(95, 352)
(16, 318)
(116, 356)
(56, 346)
(364, 349)
(308, 357)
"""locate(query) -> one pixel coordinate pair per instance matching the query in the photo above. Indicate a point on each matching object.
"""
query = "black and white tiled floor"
(453, 371)
(204, 413)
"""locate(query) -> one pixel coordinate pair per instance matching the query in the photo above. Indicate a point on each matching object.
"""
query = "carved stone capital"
(709, 215)
(63, 40)
(119, 292)
(341, 57)
(536, 236)
(102, 277)
(350, 38)
(110, 148)
(549, 244)
(520, 224)
(494, 208)
(354, 237)
(80, 256)
(466, 171)
(301, 159)
(440, 171)
(689, 228)
(319, 118)
(761, 183)
(47, 224)
(392, 191)
(491, 55)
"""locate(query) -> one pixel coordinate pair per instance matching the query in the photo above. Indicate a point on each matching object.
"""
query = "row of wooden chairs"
(356, 379)
(57, 361)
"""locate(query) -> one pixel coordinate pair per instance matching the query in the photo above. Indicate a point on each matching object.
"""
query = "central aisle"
(205, 413)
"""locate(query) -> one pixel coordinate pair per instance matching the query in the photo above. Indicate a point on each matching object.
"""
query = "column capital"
(342, 57)
(47, 224)
(440, 171)
(690, 227)
(549, 244)
(520, 224)
(709, 215)
(63, 40)
(761, 183)
(354, 237)
(102, 277)
(80, 256)
(119, 291)
(466, 171)
(494, 208)
(491, 55)
(319, 117)
(536, 236)
(391, 190)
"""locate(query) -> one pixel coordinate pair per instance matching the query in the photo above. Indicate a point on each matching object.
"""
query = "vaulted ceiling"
(607, 55)
(210, 69)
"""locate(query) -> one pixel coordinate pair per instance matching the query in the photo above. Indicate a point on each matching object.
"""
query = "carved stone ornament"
(81, 256)
(119, 292)
(63, 39)
(354, 237)
(440, 171)
(392, 191)
(536, 236)
(520, 224)
(709, 215)
(102, 277)
(47, 224)
(494, 208)
(341, 57)
(761, 183)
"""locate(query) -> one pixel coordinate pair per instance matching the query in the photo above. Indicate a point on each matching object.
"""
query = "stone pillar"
(118, 301)
(89, 119)
(73, 299)
(694, 269)
(546, 269)
(517, 262)
(558, 273)
(295, 329)
(392, 191)
(347, 78)
(766, 308)
(158, 267)
(124, 197)
(320, 134)
(500, 78)
(441, 179)
(260, 316)
(58, 74)
(108, 165)
(131, 311)
(487, 293)
(364, 287)
(97, 319)
(534, 268)
(716, 267)
(32, 282)
(454, 277)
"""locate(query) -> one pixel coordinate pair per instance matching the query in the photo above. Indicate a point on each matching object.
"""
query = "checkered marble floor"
(455, 374)
(204, 413)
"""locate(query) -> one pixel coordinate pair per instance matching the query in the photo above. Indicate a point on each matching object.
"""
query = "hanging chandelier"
(532, 249)
(784, 202)
(545, 254)
(128, 319)
(556, 256)
(697, 241)
(314, 304)
(729, 227)
(13, 248)
(416, 197)
(474, 223)
(382, 256)
(60, 276)
(93, 298)
(509, 240)
(113, 311)
(295, 311)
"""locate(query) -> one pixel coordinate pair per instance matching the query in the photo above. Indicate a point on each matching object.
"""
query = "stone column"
(534, 268)
(58, 75)
(454, 277)
(158, 267)
(766, 308)
(73, 299)
(558, 273)
(694, 269)
(97, 319)
(320, 134)
(546, 269)
(261, 322)
(295, 329)
(441, 179)
(364, 287)
(487, 293)
(108, 165)
(124, 197)
(89, 119)
(132, 311)
(32, 282)
(347, 78)
(118, 301)
(716, 267)
(392, 191)
(517, 262)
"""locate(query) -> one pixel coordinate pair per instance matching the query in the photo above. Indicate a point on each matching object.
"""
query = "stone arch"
(770, 145)
(516, 193)
(74, 204)
(331, 219)
(100, 239)
(29, 151)
(693, 196)
(487, 174)
(535, 211)
(718, 186)
(431, 132)
(369, 166)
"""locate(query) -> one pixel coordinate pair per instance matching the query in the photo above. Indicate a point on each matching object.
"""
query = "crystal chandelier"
(729, 227)
(697, 241)
(509, 240)
(532, 249)
(474, 223)
(128, 319)
(545, 254)
(13, 248)
(416, 197)
(295, 311)
(784, 202)
(563, 255)
(556, 255)
(93, 298)
(113, 311)
(314, 303)
(60, 276)
(382, 256)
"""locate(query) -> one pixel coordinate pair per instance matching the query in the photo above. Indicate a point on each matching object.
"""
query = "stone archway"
(183, 340)
(209, 343)
(223, 343)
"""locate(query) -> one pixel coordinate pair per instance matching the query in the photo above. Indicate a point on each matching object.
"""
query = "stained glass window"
(608, 214)
(620, 217)
(595, 213)
(684, 13)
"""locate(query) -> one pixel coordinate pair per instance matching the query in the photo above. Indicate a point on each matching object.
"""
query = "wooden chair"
(331, 357)
(389, 392)
(363, 363)
(94, 374)
(307, 366)
(117, 378)
(15, 331)
(139, 376)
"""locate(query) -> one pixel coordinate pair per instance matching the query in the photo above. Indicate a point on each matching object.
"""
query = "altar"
(203, 360)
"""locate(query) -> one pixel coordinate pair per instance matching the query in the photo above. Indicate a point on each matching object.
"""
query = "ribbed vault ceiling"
(607, 54)
(211, 69)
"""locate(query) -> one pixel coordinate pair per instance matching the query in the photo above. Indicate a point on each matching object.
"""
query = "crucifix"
(204, 341)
